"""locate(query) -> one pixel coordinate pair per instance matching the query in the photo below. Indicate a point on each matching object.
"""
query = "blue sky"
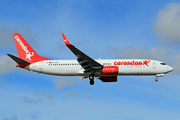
(101, 29)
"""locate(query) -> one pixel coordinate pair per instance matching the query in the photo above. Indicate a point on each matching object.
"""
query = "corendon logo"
(28, 54)
(132, 63)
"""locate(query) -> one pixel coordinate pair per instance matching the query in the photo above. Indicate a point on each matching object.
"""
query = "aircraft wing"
(85, 61)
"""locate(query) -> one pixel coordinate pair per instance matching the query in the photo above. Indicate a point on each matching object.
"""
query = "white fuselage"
(125, 67)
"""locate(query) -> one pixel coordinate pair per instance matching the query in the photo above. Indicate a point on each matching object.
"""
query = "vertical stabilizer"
(25, 51)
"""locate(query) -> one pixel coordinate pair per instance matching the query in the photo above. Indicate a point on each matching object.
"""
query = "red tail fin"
(25, 51)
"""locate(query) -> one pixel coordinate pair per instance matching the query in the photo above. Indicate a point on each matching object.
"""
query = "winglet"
(66, 40)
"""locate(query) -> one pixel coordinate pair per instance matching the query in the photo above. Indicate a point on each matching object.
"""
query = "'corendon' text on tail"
(25, 51)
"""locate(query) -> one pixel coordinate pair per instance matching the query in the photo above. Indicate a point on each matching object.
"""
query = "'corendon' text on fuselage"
(132, 63)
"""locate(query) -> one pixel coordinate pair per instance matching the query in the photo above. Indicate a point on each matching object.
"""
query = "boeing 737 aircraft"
(106, 70)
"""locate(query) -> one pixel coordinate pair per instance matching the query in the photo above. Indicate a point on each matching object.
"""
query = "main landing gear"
(156, 79)
(91, 78)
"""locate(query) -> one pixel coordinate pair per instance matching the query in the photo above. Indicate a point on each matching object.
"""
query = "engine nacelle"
(108, 79)
(110, 70)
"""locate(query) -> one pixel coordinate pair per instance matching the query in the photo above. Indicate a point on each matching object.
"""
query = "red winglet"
(66, 40)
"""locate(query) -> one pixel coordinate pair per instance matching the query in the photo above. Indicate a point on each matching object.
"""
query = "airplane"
(84, 66)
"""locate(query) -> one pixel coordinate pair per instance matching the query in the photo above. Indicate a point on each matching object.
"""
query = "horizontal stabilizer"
(18, 60)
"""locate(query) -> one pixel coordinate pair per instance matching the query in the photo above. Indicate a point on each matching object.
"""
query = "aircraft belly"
(62, 71)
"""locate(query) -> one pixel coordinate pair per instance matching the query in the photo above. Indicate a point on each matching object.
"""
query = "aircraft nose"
(170, 69)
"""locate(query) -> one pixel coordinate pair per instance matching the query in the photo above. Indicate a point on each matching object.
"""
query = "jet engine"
(110, 70)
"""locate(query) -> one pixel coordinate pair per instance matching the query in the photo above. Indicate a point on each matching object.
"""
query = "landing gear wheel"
(91, 78)
(91, 82)
(156, 79)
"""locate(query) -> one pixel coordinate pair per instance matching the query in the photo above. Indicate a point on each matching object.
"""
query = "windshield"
(163, 63)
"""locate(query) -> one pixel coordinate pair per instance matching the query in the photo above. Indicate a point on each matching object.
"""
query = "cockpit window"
(163, 63)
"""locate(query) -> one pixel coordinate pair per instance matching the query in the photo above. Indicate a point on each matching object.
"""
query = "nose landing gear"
(156, 79)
